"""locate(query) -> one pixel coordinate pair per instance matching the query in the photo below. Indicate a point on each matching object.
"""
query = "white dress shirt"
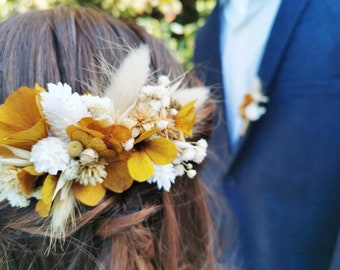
(246, 26)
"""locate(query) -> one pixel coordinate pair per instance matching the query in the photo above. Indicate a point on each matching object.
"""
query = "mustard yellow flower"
(146, 151)
(185, 118)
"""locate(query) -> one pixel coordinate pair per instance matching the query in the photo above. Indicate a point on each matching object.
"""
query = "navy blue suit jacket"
(282, 181)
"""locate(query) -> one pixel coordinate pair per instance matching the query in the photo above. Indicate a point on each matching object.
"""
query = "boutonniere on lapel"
(252, 107)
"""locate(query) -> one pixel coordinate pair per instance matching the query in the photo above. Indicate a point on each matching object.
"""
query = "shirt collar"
(238, 11)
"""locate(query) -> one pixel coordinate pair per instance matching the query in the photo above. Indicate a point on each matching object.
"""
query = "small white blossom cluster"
(100, 108)
(11, 190)
(153, 108)
(164, 176)
(157, 96)
(189, 152)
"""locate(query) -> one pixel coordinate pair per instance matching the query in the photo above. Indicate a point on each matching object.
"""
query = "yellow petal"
(140, 166)
(185, 119)
(161, 151)
(248, 99)
(92, 127)
(119, 132)
(39, 88)
(20, 112)
(115, 135)
(38, 98)
(43, 206)
(112, 135)
(146, 135)
(5, 152)
(88, 141)
(27, 138)
(89, 195)
(77, 135)
(118, 178)
(27, 177)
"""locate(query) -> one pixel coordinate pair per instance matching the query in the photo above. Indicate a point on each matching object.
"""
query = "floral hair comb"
(60, 147)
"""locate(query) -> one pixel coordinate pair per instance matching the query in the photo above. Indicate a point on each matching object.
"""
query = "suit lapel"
(285, 22)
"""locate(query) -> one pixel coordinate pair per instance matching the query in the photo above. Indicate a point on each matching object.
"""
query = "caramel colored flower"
(21, 121)
(118, 178)
(113, 136)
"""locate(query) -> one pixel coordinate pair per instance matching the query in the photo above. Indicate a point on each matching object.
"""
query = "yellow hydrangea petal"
(20, 112)
(161, 151)
(146, 135)
(27, 177)
(118, 178)
(89, 195)
(77, 135)
(112, 135)
(140, 166)
(27, 138)
(185, 118)
(116, 135)
(43, 206)
(92, 127)
(87, 140)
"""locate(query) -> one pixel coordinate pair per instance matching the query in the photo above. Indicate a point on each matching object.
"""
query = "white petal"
(24, 154)
(18, 162)
(49, 155)
(164, 176)
(62, 108)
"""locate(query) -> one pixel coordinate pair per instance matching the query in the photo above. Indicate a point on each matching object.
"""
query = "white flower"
(188, 154)
(251, 108)
(10, 187)
(191, 173)
(155, 104)
(128, 145)
(202, 143)
(179, 169)
(49, 155)
(101, 108)
(62, 108)
(164, 176)
(162, 124)
(173, 112)
(256, 91)
(92, 174)
(200, 154)
(253, 111)
(71, 170)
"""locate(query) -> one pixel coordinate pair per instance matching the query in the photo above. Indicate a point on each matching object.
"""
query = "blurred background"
(173, 21)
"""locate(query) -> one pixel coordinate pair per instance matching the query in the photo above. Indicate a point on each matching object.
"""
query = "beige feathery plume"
(62, 211)
(184, 96)
(127, 81)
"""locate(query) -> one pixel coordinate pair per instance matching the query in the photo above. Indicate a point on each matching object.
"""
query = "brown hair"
(142, 228)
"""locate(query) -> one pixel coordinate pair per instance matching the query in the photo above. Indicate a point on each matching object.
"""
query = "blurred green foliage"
(173, 21)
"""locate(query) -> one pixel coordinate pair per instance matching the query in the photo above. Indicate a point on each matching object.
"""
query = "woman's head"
(62, 44)
(139, 227)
